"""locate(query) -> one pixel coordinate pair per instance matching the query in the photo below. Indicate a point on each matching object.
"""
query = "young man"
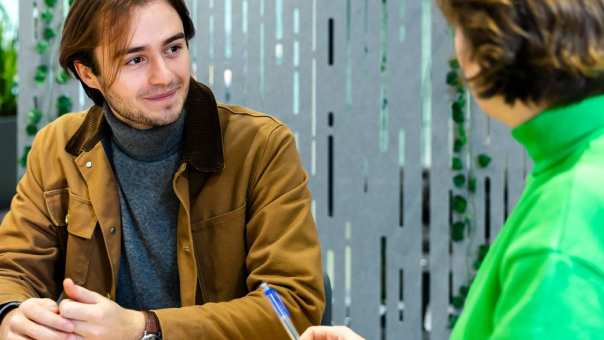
(163, 210)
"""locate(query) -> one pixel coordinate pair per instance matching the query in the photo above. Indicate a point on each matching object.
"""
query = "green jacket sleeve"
(549, 295)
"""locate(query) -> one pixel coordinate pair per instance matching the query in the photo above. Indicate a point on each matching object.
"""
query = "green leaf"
(454, 64)
(453, 318)
(458, 302)
(23, 160)
(42, 47)
(31, 130)
(34, 117)
(472, 185)
(482, 253)
(50, 3)
(457, 231)
(452, 79)
(459, 204)
(49, 34)
(8, 71)
(459, 181)
(458, 144)
(461, 132)
(41, 74)
(464, 290)
(484, 160)
(483, 250)
(62, 77)
(457, 164)
(64, 105)
(47, 16)
(458, 113)
(461, 97)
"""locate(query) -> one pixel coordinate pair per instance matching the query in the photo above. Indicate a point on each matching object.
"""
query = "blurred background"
(411, 182)
(8, 101)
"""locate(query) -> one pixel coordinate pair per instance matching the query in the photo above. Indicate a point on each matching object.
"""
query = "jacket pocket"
(220, 250)
(56, 204)
(81, 223)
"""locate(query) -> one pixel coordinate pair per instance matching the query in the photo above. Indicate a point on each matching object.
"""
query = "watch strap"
(151, 323)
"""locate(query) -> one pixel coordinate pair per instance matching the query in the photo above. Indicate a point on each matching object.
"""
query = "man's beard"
(122, 108)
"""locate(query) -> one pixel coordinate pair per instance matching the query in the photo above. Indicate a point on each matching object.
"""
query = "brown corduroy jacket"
(244, 218)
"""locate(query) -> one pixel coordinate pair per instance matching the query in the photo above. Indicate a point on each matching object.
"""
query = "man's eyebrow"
(142, 48)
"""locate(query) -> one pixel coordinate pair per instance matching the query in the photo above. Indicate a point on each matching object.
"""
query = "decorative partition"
(363, 85)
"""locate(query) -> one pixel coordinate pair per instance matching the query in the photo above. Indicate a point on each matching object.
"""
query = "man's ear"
(86, 75)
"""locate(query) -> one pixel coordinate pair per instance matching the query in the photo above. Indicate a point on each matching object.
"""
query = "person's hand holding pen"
(330, 333)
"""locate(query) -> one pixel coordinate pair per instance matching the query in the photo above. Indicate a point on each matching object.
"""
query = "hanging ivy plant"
(464, 182)
(462, 175)
(42, 76)
(458, 301)
(463, 178)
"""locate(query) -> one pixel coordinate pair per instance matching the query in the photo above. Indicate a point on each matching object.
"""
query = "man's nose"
(160, 74)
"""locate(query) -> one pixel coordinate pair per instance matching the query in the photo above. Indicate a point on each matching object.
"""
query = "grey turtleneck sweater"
(144, 162)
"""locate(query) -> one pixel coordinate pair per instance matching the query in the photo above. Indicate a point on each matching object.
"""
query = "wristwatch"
(152, 330)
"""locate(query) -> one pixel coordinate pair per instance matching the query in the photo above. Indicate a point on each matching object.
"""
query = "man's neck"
(146, 144)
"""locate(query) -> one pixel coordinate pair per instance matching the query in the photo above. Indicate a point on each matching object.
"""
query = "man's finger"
(49, 318)
(85, 330)
(77, 311)
(79, 293)
(31, 330)
(313, 333)
(18, 337)
(49, 304)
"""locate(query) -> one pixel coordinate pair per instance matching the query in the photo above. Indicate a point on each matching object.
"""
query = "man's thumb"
(78, 293)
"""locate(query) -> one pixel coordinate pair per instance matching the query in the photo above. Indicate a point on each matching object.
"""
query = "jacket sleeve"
(283, 251)
(549, 295)
(28, 246)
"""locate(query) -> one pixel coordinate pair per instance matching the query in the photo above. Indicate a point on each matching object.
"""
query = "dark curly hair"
(536, 51)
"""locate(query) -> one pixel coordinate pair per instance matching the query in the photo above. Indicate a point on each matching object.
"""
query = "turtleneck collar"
(146, 145)
(556, 133)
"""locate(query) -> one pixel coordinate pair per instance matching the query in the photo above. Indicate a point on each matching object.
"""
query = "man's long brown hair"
(92, 23)
(542, 51)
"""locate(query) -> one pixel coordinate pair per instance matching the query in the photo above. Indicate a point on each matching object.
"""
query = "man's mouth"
(162, 96)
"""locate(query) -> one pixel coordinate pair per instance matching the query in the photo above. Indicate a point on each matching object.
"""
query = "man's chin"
(166, 118)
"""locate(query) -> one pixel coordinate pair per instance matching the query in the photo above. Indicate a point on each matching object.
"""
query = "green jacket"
(544, 275)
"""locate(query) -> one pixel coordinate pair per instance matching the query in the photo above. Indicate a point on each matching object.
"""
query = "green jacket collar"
(557, 132)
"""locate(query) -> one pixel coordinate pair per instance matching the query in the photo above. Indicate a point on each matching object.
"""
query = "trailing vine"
(464, 181)
(47, 75)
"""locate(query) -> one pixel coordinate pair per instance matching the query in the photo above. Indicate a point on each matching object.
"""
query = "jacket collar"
(557, 132)
(202, 140)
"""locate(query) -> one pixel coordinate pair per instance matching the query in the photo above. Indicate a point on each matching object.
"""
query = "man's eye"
(135, 61)
(174, 49)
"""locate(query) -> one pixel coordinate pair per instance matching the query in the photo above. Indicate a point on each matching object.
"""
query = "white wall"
(12, 7)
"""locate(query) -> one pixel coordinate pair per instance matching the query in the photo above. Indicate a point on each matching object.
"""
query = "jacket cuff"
(7, 307)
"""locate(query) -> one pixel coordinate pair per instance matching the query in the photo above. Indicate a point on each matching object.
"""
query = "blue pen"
(281, 311)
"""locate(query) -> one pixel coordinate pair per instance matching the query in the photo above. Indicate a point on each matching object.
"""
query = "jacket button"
(67, 219)
(89, 164)
(113, 230)
(186, 248)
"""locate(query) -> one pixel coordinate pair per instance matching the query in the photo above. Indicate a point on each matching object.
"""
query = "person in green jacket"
(538, 67)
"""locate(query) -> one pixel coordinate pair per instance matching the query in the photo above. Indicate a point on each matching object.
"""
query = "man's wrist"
(6, 308)
(138, 322)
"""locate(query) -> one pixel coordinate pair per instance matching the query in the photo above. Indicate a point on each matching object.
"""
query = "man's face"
(153, 81)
